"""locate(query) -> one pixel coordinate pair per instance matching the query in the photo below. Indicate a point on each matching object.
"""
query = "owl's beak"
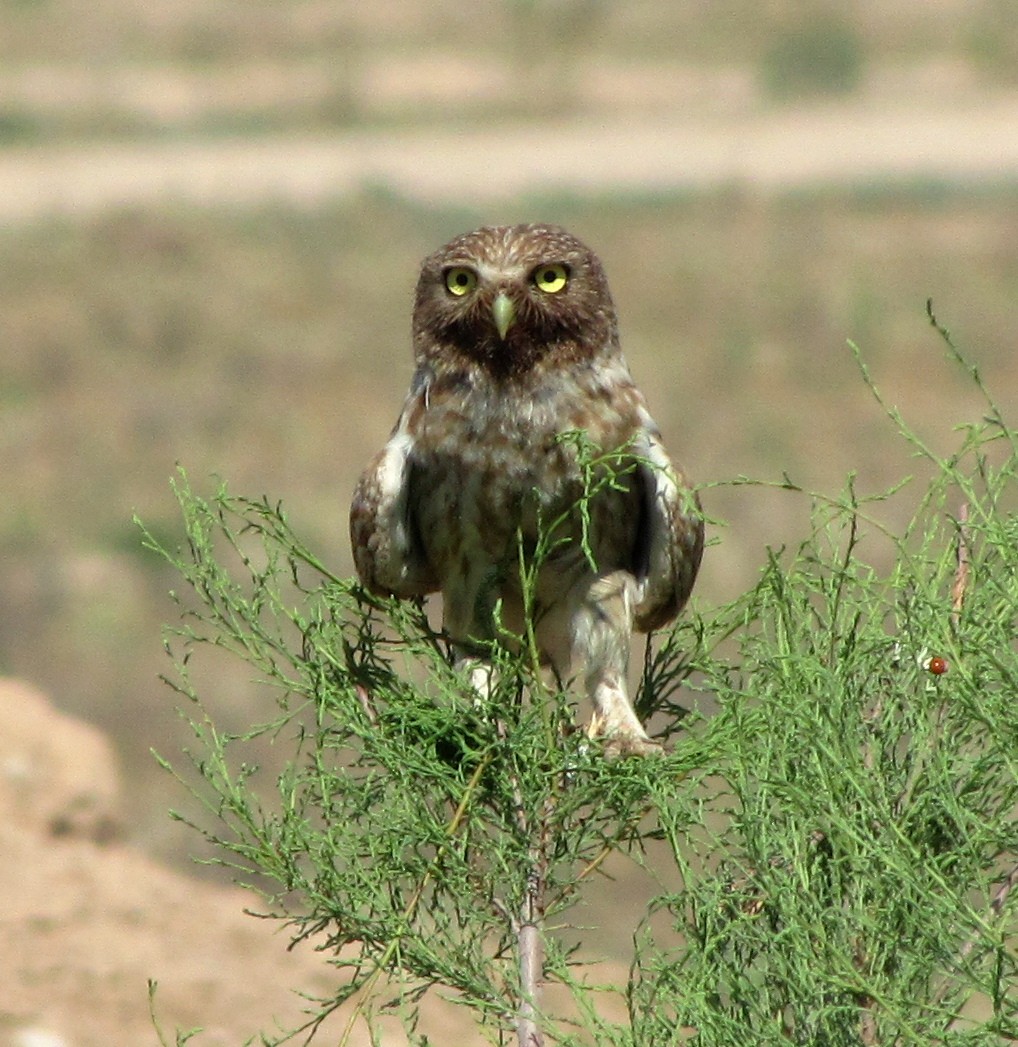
(503, 310)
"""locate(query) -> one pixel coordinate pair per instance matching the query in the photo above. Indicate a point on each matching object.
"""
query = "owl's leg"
(478, 671)
(602, 628)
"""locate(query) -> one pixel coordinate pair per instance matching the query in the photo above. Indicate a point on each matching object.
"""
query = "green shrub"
(841, 832)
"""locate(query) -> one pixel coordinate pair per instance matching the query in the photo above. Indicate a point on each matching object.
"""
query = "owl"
(525, 448)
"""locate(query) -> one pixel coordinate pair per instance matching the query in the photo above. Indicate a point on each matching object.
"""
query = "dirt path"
(827, 145)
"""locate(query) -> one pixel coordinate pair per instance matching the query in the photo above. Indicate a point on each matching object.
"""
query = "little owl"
(516, 344)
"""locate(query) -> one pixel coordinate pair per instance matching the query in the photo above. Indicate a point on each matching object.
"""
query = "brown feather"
(477, 460)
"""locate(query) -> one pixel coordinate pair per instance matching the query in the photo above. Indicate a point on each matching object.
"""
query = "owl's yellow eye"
(460, 281)
(551, 278)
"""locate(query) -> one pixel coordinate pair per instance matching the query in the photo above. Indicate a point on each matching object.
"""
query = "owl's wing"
(387, 548)
(670, 542)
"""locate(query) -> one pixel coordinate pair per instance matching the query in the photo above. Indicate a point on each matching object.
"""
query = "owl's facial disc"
(503, 312)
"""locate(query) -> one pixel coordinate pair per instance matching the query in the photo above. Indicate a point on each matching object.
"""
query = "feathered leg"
(602, 626)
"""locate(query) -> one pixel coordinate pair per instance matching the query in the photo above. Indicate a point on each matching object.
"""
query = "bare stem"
(531, 952)
(529, 940)
(1005, 889)
(961, 574)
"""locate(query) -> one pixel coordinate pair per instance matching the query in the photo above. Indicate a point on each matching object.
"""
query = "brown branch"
(530, 931)
(1000, 898)
(961, 571)
(364, 698)
(531, 952)
(528, 924)
(997, 903)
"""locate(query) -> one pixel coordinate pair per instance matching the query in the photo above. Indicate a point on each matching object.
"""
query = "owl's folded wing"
(387, 549)
(670, 543)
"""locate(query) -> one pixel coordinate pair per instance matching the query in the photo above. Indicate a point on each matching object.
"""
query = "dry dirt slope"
(87, 920)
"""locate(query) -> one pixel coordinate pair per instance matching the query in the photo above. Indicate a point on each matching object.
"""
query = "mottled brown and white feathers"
(516, 343)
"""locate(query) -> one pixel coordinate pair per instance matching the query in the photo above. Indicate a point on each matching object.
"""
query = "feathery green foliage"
(842, 829)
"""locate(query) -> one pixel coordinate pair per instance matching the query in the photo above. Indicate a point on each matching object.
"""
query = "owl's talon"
(621, 740)
(620, 746)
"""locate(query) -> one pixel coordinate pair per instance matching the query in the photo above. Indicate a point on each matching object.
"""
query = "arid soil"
(829, 144)
(87, 920)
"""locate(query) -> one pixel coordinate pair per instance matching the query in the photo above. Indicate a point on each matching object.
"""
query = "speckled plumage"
(477, 458)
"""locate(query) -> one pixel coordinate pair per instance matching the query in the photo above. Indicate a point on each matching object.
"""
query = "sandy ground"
(87, 920)
(975, 141)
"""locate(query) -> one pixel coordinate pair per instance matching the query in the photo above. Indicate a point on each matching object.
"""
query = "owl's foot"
(621, 746)
(621, 739)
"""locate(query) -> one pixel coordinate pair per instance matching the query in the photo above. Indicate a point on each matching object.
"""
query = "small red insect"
(937, 665)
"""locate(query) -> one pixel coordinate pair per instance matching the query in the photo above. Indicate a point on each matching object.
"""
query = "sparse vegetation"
(840, 836)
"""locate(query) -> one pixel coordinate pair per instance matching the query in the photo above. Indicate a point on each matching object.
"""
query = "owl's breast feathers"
(472, 464)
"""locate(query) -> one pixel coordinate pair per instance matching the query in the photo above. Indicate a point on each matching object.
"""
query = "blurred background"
(211, 218)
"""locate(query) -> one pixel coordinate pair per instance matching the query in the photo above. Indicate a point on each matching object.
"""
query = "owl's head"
(512, 298)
